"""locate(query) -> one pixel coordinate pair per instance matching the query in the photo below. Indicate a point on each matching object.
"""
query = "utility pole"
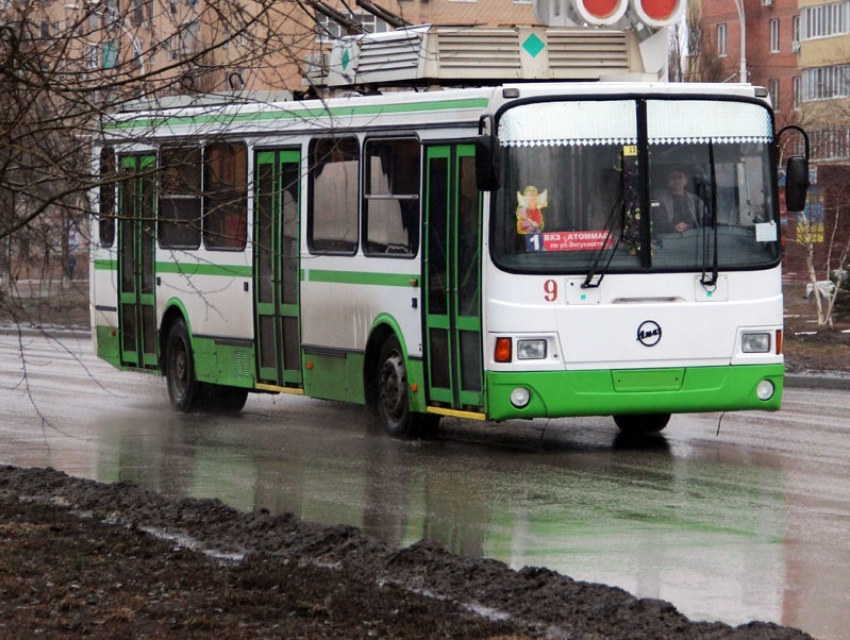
(739, 5)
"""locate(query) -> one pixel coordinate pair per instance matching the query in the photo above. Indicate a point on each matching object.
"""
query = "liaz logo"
(649, 333)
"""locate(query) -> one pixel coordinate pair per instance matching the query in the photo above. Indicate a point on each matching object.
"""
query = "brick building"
(192, 46)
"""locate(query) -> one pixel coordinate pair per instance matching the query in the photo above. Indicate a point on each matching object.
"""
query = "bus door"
(276, 277)
(453, 278)
(136, 237)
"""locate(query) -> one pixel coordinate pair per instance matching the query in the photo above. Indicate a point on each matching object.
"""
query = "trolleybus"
(494, 253)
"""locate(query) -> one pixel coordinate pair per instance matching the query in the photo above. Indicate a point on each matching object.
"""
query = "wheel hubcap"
(392, 386)
(180, 369)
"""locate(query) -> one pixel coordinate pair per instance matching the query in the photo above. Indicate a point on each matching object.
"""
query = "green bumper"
(607, 392)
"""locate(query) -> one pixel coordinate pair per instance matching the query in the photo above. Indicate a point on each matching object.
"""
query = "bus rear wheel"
(184, 391)
(642, 423)
(393, 395)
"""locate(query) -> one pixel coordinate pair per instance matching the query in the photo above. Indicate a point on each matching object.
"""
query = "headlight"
(531, 349)
(765, 390)
(520, 397)
(755, 343)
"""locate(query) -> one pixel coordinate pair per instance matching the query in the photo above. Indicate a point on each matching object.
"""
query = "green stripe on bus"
(312, 275)
(203, 269)
(361, 277)
(233, 271)
(302, 114)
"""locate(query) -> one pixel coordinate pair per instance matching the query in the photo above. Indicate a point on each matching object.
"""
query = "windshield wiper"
(609, 228)
(706, 281)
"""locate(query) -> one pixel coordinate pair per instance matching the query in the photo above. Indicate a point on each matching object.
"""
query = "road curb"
(818, 380)
(50, 331)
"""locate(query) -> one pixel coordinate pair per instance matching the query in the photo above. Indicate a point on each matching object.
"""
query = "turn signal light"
(778, 341)
(504, 350)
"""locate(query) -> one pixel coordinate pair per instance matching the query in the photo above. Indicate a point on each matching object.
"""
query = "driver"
(680, 209)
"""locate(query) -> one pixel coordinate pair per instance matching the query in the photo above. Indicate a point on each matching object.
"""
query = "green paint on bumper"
(605, 392)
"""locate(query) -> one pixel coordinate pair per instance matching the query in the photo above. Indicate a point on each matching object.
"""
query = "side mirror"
(486, 163)
(796, 183)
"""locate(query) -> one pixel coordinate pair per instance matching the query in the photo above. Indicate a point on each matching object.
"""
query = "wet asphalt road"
(753, 523)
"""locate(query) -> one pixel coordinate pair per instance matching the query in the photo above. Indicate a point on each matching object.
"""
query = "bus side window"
(106, 205)
(225, 208)
(391, 198)
(333, 194)
(179, 210)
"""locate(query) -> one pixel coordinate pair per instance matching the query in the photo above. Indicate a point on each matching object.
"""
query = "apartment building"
(185, 46)
(771, 51)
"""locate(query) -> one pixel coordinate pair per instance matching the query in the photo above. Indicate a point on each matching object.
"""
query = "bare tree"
(67, 68)
(823, 234)
(676, 54)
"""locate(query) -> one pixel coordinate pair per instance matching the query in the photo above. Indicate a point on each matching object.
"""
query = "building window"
(329, 30)
(110, 55)
(93, 56)
(721, 40)
(773, 90)
(142, 10)
(333, 194)
(797, 90)
(774, 35)
(190, 39)
(138, 56)
(825, 20)
(826, 83)
(795, 34)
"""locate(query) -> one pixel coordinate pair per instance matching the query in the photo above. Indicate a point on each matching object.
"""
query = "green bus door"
(137, 311)
(278, 351)
(453, 279)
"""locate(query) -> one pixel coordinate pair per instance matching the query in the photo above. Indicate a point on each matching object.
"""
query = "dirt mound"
(110, 561)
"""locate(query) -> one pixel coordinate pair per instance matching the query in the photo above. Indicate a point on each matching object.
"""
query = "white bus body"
(349, 249)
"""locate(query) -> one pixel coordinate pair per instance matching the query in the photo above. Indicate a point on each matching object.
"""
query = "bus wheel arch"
(171, 315)
(177, 362)
(370, 365)
(388, 387)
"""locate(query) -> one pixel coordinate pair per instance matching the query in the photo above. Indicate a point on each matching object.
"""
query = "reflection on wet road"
(750, 524)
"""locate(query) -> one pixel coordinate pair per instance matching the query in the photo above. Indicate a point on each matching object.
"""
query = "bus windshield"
(573, 187)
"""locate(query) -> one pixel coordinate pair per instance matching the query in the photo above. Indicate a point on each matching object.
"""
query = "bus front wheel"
(393, 395)
(184, 390)
(646, 423)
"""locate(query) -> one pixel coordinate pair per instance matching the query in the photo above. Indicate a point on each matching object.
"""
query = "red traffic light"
(600, 12)
(659, 13)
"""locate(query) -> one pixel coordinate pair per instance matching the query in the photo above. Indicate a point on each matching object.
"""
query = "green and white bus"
(490, 253)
